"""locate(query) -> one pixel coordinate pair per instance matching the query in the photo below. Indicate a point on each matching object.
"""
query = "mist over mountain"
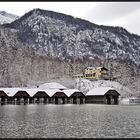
(59, 45)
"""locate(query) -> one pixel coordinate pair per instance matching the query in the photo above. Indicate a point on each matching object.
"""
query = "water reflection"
(69, 121)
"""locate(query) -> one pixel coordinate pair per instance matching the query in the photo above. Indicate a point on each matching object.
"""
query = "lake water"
(69, 121)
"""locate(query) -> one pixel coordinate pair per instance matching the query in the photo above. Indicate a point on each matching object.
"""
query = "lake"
(69, 121)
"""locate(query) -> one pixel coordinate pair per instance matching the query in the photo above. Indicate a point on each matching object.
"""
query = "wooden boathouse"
(55, 93)
(102, 95)
(56, 96)
(10, 92)
(75, 96)
(3, 96)
(36, 95)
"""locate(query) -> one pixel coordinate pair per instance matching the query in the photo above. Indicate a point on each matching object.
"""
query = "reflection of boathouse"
(105, 95)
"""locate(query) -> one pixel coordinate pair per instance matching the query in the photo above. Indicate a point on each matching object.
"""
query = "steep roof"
(99, 91)
(10, 91)
(52, 85)
(51, 92)
(31, 91)
(69, 92)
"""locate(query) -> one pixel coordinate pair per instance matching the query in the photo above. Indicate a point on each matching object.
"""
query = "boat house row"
(57, 94)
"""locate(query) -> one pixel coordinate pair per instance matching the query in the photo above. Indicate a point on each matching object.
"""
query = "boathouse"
(37, 95)
(75, 96)
(10, 92)
(41, 96)
(22, 96)
(59, 97)
(3, 96)
(55, 96)
(103, 95)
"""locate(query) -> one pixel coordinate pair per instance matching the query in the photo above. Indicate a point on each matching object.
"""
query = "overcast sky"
(125, 14)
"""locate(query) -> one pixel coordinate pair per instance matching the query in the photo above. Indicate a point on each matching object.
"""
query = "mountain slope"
(63, 36)
(7, 17)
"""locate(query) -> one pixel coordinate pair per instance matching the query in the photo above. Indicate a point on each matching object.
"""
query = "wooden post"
(5, 100)
(71, 100)
(41, 100)
(78, 100)
(111, 99)
(65, 101)
(24, 100)
(59, 100)
(33, 100)
(50, 100)
(53, 100)
(83, 100)
(15, 100)
(19, 100)
(27, 100)
(105, 101)
(47, 100)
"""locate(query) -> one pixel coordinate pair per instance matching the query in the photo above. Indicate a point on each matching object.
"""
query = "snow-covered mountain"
(7, 17)
(63, 36)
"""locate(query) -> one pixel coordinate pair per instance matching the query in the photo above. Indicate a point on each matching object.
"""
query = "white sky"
(125, 14)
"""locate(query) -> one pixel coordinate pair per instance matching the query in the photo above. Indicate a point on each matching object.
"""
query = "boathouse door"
(108, 99)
